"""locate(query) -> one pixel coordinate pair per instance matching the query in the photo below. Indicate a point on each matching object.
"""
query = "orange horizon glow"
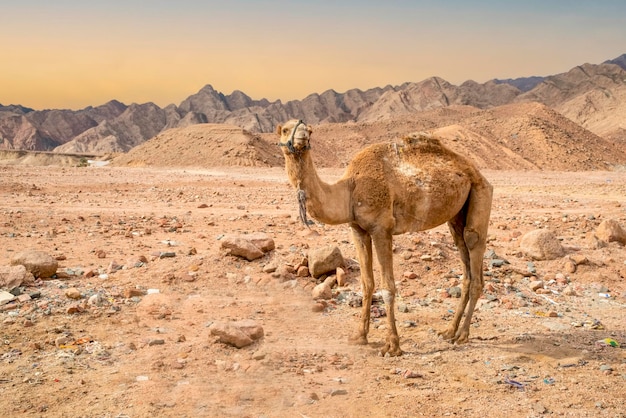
(85, 56)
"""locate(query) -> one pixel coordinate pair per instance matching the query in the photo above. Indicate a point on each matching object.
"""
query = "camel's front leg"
(382, 243)
(363, 244)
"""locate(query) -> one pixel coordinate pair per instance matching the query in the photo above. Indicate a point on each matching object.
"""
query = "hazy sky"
(73, 54)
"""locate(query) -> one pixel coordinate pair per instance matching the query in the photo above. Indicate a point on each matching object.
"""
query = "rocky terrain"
(161, 273)
(590, 95)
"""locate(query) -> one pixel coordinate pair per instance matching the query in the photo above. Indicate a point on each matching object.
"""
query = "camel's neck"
(328, 203)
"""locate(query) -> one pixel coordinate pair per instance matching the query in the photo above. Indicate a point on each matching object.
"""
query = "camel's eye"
(285, 130)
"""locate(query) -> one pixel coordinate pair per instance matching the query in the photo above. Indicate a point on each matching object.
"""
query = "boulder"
(238, 334)
(248, 246)
(40, 264)
(611, 231)
(541, 244)
(14, 276)
(324, 260)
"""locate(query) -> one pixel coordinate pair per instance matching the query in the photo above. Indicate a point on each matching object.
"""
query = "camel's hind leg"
(363, 243)
(457, 226)
(469, 230)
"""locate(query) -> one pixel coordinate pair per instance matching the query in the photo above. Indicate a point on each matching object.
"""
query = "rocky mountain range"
(591, 95)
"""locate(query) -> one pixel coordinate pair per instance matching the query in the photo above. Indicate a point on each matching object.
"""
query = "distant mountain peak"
(621, 61)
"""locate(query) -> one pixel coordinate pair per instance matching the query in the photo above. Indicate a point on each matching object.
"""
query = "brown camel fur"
(390, 189)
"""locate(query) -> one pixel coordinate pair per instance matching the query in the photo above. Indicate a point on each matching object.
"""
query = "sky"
(70, 54)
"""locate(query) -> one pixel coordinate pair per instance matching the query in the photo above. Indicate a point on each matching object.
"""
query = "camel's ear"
(279, 128)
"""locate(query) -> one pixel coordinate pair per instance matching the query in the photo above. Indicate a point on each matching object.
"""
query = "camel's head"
(294, 136)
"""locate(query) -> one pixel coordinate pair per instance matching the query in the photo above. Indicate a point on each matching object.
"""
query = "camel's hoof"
(357, 340)
(387, 350)
(448, 334)
(461, 339)
(455, 338)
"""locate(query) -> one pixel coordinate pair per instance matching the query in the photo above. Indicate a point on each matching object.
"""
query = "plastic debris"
(608, 342)
(515, 384)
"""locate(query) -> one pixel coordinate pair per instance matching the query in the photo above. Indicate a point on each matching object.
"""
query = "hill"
(528, 136)
(202, 145)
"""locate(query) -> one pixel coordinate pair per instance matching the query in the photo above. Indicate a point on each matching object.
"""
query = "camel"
(390, 189)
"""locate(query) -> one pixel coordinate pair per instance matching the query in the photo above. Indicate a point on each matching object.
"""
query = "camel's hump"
(417, 138)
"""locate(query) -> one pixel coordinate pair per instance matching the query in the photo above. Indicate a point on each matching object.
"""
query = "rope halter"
(289, 143)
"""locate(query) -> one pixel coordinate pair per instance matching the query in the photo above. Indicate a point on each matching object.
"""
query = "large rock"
(541, 244)
(239, 334)
(610, 231)
(324, 260)
(248, 246)
(14, 276)
(40, 264)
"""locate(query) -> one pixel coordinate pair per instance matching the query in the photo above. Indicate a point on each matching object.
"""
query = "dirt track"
(104, 361)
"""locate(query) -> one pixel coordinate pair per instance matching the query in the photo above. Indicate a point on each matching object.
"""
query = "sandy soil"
(144, 354)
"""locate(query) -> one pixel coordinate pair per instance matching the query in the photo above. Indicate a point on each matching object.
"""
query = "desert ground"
(144, 348)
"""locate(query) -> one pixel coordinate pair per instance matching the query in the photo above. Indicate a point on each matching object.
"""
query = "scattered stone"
(579, 259)
(322, 291)
(96, 300)
(5, 297)
(410, 275)
(38, 263)
(24, 297)
(324, 260)
(337, 392)
(541, 244)
(62, 340)
(606, 368)
(318, 307)
(73, 293)
(569, 291)
(331, 281)
(561, 279)
(156, 341)
(74, 309)
(342, 278)
(535, 285)
(303, 271)
(113, 267)
(270, 268)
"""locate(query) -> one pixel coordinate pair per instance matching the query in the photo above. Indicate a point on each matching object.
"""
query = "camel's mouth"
(302, 139)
